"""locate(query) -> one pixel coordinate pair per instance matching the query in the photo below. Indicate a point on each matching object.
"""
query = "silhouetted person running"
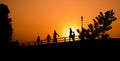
(38, 40)
(73, 36)
(55, 37)
(70, 34)
(48, 38)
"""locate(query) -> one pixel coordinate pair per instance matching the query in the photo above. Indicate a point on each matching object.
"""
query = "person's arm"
(58, 35)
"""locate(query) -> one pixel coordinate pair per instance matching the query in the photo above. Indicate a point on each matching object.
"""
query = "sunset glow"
(65, 31)
(31, 18)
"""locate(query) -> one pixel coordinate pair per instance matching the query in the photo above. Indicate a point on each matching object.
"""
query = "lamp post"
(81, 22)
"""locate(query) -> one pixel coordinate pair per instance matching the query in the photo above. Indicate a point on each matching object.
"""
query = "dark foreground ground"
(92, 44)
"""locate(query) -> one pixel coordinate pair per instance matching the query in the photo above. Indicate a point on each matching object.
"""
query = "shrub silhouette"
(5, 26)
(102, 23)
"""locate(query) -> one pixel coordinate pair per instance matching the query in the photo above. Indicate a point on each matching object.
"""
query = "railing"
(59, 40)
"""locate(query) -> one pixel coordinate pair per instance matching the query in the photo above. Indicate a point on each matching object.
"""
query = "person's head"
(78, 30)
(54, 31)
(70, 29)
(48, 35)
(39, 37)
(73, 32)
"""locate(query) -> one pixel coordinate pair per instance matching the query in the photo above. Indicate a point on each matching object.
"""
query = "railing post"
(28, 43)
(64, 39)
(34, 43)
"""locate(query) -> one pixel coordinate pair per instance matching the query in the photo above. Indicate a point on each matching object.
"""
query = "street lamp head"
(82, 17)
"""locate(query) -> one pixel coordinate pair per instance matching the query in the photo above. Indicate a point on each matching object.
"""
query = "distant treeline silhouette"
(102, 23)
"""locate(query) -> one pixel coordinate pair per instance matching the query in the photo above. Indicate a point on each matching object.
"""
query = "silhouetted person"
(73, 36)
(55, 37)
(78, 33)
(38, 40)
(70, 34)
(48, 38)
(5, 27)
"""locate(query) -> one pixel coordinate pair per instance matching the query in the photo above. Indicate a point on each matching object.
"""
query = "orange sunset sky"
(31, 18)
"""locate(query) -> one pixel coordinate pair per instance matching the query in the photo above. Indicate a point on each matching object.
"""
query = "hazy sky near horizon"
(31, 18)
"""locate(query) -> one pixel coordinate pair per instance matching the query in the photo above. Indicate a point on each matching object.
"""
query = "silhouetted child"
(73, 36)
(38, 40)
(55, 37)
(48, 38)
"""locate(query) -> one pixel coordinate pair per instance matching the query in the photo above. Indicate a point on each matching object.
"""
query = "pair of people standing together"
(54, 37)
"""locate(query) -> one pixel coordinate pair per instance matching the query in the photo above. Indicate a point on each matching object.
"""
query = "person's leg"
(55, 40)
(69, 38)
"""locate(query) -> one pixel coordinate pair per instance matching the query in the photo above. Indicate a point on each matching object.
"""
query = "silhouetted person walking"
(70, 34)
(48, 38)
(55, 37)
(38, 40)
